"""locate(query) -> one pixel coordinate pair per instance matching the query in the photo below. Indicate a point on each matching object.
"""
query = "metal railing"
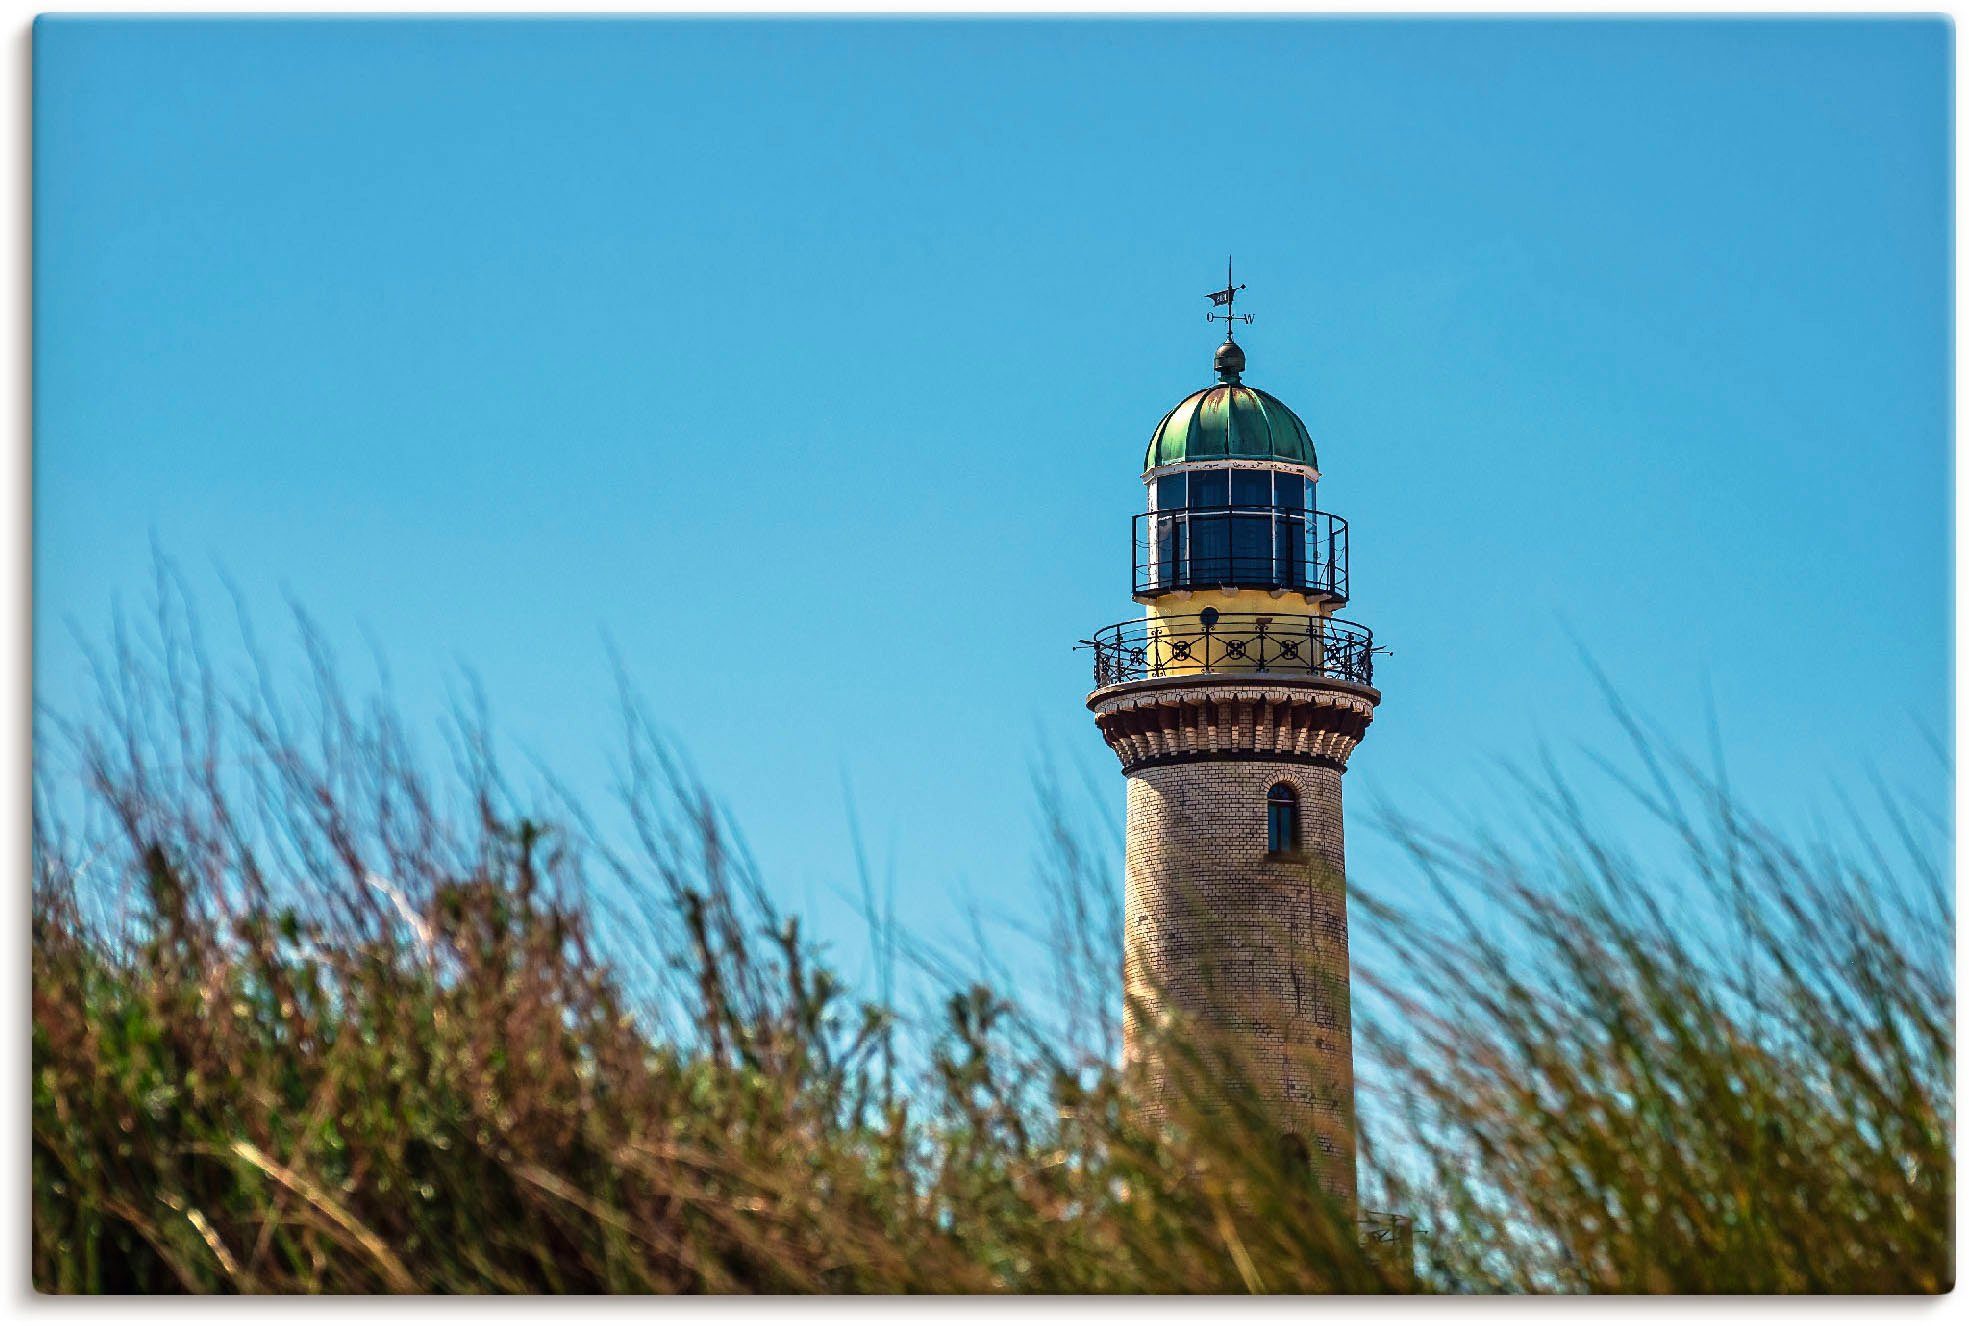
(1385, 1227)
(1210, 643)
(1252, 547)
(1389, 1240)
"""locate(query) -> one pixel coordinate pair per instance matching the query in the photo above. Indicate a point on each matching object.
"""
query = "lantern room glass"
(1237, 526)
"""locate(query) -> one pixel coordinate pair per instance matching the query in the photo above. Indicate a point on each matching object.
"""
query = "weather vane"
(1226, 299)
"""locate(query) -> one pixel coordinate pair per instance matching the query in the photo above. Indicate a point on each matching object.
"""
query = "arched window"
(1282, 819)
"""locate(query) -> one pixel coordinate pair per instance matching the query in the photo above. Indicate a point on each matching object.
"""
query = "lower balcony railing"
(1211, 643)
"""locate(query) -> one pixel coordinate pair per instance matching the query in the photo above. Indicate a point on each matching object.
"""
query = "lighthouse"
(1233, 703)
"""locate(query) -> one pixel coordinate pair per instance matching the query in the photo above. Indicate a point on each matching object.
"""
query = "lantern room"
(1233, 500)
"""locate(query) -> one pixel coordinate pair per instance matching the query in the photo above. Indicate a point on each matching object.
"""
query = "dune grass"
(315, 1013)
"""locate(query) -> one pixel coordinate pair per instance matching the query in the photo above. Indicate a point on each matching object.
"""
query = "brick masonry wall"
(1247, 949)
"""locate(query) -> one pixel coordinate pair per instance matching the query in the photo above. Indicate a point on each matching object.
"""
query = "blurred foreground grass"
(311, 1015)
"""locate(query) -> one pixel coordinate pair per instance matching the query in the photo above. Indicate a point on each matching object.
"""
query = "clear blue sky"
(495, 340)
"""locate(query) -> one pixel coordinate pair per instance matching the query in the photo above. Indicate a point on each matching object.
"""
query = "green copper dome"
(1230, 421)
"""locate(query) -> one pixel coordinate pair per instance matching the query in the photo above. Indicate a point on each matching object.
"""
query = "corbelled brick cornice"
(1175, 720)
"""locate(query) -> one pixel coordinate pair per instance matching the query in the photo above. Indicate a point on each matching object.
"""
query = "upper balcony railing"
(1211, 643)
(1247, 547)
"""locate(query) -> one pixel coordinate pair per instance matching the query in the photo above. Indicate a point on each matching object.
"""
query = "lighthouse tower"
(1234, 703)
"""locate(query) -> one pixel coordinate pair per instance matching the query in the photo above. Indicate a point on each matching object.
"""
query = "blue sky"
(811, 364)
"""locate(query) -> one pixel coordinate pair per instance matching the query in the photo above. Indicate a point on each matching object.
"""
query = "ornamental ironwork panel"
(1210, 643)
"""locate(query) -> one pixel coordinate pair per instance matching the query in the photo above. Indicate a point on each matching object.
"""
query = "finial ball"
(1230, 361)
